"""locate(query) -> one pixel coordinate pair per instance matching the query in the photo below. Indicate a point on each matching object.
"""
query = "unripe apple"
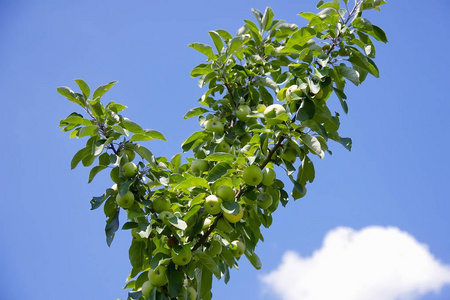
(273, 111)
(212, 204)
(161, 204)
(192, 293)
(199, 166)
(291, 91)
(268, 176)
(225, 193)
(158, 276)
(245, 139)
(223, 225)
(129, 170)
(260, 108)
(147, 287)
(214, 249)
(214, 126)
(125, 201)
(222, 147)
(242, 112)
(165, 216)
(237, 247)
(252, 175)
(234, 218)
(181, 256)
(264, 200)
(130, 154)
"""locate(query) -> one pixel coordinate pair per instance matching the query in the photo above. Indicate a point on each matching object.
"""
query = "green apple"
(260, 108)
(252, 175)
(199, 166)
(264, 200)
(130, 154)
(234, 218)
(289, 154)
(242, 112)
(147, 287)
(212, 204)
(161, 204)
(268, 176)
(125, 201)
(129, 169)
(275, 114)
(165, 216)
(158, 276)
(225, 193)
(214, 249)
(245, 139)
(291, 91)
(222, 147)
(237, 247)
(181, 256)
(224, 226)
(192, 293)
(214, 125)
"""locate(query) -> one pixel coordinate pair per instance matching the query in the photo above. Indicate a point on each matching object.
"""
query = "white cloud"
(375, 263)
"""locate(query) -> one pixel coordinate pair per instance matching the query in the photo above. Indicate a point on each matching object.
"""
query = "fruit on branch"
(158, 276)
(214, 125)
(223, 146)
(181, 255)
(234, 218)
(242, 112)
(212, 204)
(264, 200)
(129, 169)
(215, 248)
(252, 175)
(268, 176)
(165, 216)
(130, 154)
(125, 201)
(275, 114)
(225, 193)
(192, 293)
(161, 204)
(223, 225)
(237, 247)
(147, 287)
(199, 166)
(293, 93)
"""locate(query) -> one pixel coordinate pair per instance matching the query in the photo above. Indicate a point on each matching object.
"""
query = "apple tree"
(265, 110)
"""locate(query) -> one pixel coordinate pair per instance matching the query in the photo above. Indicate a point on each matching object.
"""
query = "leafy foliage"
(265, 106)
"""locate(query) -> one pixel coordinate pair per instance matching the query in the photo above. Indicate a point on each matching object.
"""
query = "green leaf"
(237, 42)
(230, 207)
(218, 171)
(300, 38)
(96, 202)
(254, 260)
(71, 95)
(175, 283)
(306, 110)
(77, 120)
(298, 191)
(95, 171)
(306, 172)
(217, 40)
(98, 93)
(204, 283)
(190, 142)
(378, 34)
(79, 156)
(222, 157)
(177, 222)
(111, 228)
(98, 147)
(91, 130)
(350, 74)
(83, 87)
(192, 182)
(132, 126)
(267, 81)
(201, 69)
(313, 144)
(267, 18)
(136, 253)
(144, 153)
(195, 112)
(203, 48)
(208, 263)
(148, 135)
(224, 34)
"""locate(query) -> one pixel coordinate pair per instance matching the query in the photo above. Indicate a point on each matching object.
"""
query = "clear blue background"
(53, 247)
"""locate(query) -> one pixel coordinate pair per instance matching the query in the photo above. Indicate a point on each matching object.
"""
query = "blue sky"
(396, 176)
